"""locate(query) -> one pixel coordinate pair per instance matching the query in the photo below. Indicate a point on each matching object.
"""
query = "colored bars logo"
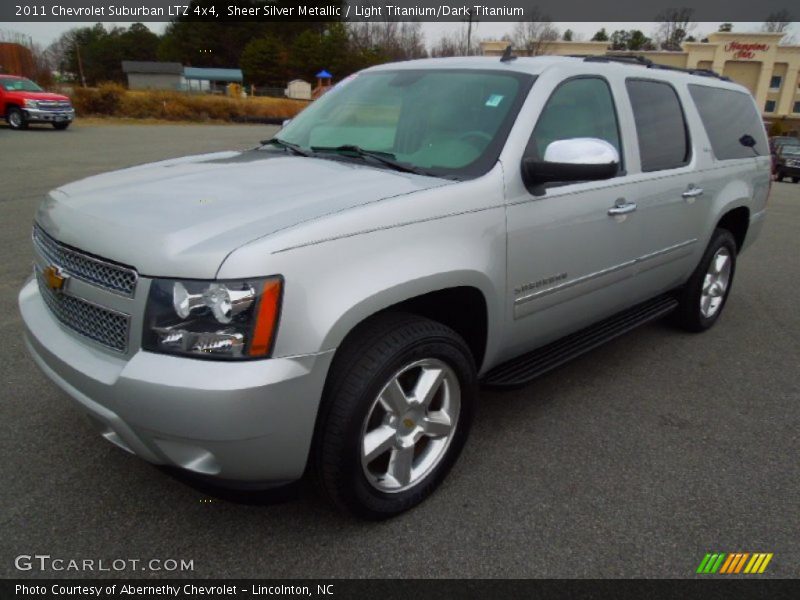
(734, 562)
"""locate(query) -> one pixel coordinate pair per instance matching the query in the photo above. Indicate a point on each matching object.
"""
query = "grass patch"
(113, 100)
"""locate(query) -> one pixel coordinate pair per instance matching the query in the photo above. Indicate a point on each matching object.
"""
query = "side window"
(660, 125)
(727, 116)
(581, 107)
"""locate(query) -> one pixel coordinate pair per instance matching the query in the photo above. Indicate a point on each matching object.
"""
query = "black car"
(787, 162)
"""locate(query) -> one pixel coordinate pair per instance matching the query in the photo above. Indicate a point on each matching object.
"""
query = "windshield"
(790, 149)
(20, 85)
(442, 122)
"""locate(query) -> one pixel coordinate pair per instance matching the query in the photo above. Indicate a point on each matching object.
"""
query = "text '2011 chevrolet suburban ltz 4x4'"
(334, 297)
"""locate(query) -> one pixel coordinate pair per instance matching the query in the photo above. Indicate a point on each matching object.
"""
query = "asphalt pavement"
(632, 461)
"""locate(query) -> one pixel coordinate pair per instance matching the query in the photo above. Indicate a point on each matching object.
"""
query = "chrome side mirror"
(575, 159)
(285, 123)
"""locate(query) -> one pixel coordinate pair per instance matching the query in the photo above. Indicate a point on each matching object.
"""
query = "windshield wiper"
(288, 145)
(386, 158)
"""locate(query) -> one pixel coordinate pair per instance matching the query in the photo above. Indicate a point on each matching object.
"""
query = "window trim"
(690, 154)
(621, 172)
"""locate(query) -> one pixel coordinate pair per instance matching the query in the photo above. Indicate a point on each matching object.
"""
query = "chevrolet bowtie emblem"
(54, 278)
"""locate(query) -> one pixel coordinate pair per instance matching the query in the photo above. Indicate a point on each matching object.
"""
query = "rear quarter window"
(728, 115)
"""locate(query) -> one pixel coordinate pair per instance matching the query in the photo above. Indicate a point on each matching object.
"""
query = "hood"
(182, 217)
(39, 95)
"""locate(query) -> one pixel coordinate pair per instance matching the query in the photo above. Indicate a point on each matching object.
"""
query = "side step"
(524, 369)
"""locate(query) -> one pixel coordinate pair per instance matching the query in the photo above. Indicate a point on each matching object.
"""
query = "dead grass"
(113, 100)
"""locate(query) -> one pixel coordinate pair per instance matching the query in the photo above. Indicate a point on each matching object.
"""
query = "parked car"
(22, 102)
(334, 297)
(787, 162)
(775, 143)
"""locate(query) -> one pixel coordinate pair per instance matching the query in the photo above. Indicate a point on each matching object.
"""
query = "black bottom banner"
(407, 589)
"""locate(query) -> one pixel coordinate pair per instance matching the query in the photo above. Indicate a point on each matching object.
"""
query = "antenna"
(508, 55)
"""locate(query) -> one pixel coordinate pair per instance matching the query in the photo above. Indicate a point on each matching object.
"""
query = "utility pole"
(469, 32)
(80, 64)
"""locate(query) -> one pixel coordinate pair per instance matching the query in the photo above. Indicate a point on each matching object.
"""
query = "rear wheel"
(778, 176)
(61, 126)
(396, 412)
(795, 179)
(16, 118)
(704, 295)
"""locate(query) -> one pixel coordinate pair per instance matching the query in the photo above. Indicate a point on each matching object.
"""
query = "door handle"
(622, 208)
(693, 192)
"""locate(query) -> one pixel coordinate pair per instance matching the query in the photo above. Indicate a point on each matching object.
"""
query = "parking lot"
(633, 461)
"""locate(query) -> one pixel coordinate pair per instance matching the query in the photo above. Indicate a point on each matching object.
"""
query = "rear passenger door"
(668, 187)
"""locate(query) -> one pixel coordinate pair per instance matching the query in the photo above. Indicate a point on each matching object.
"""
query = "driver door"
(571, 246)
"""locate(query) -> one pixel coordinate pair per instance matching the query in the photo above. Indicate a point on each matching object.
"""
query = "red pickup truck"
(23, 102)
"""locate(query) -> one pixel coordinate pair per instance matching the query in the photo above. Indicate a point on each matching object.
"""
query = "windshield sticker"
(494, 100)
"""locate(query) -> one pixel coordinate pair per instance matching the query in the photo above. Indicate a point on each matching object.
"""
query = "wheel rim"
(410, 425)
(716, 282)
(14, 119)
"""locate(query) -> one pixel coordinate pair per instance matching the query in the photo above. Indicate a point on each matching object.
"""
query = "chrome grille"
(110, 276)
(54, 104)
(104, 326)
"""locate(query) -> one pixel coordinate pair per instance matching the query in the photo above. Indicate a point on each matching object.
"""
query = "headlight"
(212, 319)
(31, 103)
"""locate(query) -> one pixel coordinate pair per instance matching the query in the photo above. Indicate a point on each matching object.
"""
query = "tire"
(61, 126)
(389, 349)
(795, 179)
(697, 310)
(16, 118)
(778, 176)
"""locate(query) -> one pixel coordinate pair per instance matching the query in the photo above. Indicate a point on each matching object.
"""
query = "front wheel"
(704, 295)
(396, 412)
(795, 179)
(16, 118)
(61, 126)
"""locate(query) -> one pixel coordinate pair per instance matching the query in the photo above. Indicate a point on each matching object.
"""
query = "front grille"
(54, 105)
(110, 276)
(104, 326)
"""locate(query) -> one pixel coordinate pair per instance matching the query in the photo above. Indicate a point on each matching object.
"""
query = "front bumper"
(35, 115)
(788, 170)
(240, 421)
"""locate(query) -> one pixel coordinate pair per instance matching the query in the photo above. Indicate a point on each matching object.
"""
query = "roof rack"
(646, 62)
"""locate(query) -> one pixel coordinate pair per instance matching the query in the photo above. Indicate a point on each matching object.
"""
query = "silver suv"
(334, 297)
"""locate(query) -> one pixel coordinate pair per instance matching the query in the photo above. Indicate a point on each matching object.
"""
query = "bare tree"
(777, 22)
(451, 44)
(40, 68)
(392, 40)
(533, 37)
(674, 25)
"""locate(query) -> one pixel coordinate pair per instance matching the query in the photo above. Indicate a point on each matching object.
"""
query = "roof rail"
(646, 62)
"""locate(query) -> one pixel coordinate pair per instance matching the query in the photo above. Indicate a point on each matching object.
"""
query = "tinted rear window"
(728, 115)
(660, 126)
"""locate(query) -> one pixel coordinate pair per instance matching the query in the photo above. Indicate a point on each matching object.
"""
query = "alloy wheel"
(410, 425)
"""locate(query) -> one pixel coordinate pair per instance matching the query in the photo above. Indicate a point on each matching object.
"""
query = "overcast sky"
(45, 33)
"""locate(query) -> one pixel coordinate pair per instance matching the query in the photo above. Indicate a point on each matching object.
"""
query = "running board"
(524, 369)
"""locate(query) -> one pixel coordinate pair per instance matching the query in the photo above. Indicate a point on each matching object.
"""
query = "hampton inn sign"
(756, 60)
(747, 51)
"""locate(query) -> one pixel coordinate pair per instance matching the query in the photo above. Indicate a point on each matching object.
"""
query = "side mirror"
(575, 159)
(285, 123)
